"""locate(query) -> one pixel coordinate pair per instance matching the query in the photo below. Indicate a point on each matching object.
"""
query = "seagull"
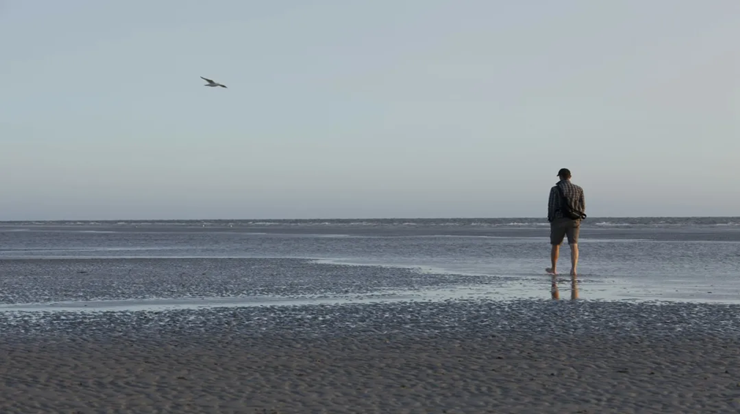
(212, 83)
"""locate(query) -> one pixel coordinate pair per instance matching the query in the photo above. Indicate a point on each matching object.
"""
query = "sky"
(367, 109)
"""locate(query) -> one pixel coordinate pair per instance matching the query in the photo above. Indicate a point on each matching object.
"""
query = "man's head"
(564, 174)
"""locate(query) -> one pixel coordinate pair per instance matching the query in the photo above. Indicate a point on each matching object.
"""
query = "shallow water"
(74, 265)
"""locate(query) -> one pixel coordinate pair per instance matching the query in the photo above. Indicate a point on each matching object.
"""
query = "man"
(565, 210)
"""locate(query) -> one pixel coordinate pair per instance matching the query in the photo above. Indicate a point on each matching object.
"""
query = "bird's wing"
(223, 86)
(207, 80)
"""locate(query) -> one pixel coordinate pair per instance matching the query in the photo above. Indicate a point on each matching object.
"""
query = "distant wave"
(610, 224)
(597, 222)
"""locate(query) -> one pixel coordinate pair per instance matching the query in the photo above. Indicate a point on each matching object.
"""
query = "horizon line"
(360, 218)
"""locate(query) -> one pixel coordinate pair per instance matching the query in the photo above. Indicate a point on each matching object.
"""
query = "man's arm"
(582, 200)
(551, 203)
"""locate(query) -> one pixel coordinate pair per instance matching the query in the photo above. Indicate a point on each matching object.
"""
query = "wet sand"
(377, 359)
(425, 354)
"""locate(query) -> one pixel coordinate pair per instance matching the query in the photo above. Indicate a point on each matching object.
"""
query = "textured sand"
(392, 373)
(428, 356)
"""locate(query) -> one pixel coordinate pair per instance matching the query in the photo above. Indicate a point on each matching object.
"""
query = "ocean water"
(246, 262)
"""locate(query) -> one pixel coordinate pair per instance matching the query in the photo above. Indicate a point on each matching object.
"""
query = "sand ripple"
(455, 357)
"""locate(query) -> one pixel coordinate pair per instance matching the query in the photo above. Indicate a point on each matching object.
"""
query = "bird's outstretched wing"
(207, 80)
(223, 86)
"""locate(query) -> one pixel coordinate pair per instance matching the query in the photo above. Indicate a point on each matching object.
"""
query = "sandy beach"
(182, 319)
(387, 364)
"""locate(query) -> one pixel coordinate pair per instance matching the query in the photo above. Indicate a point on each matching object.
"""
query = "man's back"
(574, 198)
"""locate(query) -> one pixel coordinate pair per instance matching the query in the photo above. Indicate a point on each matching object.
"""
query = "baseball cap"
(564, 172)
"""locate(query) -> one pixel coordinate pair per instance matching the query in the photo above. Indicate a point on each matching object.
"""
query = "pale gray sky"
(383, 108)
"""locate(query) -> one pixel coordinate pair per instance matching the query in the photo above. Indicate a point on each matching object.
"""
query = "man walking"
(565, 210)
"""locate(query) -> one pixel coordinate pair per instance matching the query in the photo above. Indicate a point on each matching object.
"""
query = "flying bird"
(212, 83)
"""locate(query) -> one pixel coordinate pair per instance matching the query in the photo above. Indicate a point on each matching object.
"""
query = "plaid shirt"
(574, 195)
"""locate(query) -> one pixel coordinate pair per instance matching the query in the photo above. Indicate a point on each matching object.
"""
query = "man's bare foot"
(551, 271)
(573, 272)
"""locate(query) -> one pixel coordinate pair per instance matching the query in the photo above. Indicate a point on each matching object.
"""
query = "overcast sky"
(357, 109)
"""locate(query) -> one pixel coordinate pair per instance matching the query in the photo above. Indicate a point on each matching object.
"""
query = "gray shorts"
(560, 227)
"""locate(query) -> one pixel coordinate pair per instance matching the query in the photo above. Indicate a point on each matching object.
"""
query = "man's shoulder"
(576, 186)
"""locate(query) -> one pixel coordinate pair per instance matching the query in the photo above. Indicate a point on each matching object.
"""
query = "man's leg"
(573, 260)
(573, 232)
(554, 254)
(557, 234)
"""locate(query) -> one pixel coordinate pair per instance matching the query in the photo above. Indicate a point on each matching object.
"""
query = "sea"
(136, 264)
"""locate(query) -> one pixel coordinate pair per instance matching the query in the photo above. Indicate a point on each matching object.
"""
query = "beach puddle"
(539, 290)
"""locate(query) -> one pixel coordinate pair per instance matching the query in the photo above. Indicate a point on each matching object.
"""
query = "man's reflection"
(556, 293)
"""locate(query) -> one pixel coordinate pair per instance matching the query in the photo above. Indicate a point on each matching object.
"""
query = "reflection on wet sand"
(555, 291)
(573, 288)
(554, 287)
